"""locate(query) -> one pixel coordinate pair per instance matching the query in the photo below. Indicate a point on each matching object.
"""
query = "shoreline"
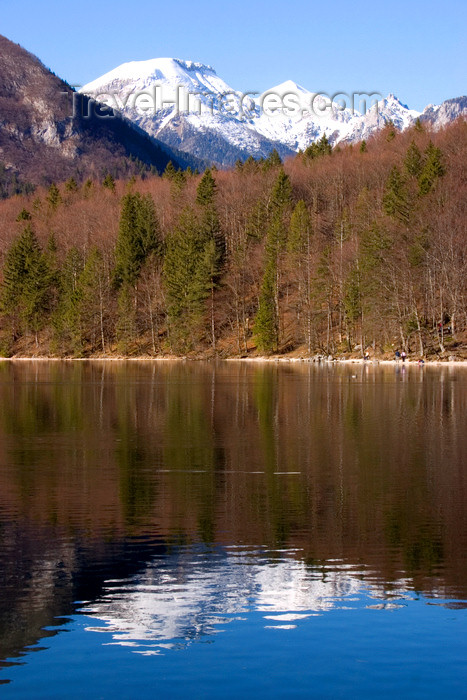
(274, 359)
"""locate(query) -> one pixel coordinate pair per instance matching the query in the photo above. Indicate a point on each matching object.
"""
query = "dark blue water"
(232, 531)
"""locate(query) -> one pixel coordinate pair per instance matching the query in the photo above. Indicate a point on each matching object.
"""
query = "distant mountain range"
(164, 109)
(41, 139)
(186, 105)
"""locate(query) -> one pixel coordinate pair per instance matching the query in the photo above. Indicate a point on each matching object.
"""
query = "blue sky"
(415, 49)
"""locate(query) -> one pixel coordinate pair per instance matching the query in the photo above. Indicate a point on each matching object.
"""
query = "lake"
(232, 529)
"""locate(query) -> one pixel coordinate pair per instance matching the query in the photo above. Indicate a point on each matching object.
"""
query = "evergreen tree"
(109, 182)
(91, 293)
(65, 320)
(250, 165)
(257, 222)
(396, 197)
(24, 215)
(413, 161)
(318, 149)
(87, 188)
(266, 325)
(79, 318)
(272, 161)
(300, 229)
(176, 177)
(281, 195)
(206, 189)
(188, 271)
(419, 126)
(25, 288)
(211, 235)
(390, 130)
(432, 170)
(138, 237)
(54, 197)
(322, 293)
(375, 246)
(71, 185)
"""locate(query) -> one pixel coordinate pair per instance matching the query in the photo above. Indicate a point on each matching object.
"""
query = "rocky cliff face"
(49, 132)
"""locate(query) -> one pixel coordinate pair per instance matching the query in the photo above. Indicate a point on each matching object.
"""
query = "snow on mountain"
(182, 102)
(187, 105)
(297, 117)
(389, 109)
(440, 115)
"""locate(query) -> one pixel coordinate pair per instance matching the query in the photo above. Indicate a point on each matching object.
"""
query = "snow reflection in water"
(193, 594)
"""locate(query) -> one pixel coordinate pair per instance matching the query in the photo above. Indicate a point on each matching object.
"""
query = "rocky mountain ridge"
(49, 132)
(187, 105)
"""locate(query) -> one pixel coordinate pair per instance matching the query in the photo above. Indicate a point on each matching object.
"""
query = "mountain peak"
(193, 65)
(187, 105)
(175, 71)
(393, 99)
(288, 86)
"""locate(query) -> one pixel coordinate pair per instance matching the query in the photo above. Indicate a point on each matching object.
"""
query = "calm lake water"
(232, 530)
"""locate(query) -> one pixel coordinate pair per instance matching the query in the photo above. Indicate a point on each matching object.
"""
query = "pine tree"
(257, 222)
(396, 197)
(318, 149)
(272, 161)
(25, 289)
(88, 186)
(268, 319)
(281, 195)
(206, 189)
(432, 170)
(250, 165)
(188, 270)
(390, 130)
(419, 126)
(138, 237)
(109, 182)
(65, 320)
(213, 241)
(300, 228)
(413, 161)
(24, 215)
(54, 197)
(266, 324)
(79, 320)
(322, 293)
(176, 177)
(71, 185)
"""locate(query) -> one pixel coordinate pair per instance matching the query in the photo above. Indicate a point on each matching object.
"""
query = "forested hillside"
(333, 252)
(49, 132)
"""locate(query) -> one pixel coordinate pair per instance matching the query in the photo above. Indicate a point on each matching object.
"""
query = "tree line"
(338, 250)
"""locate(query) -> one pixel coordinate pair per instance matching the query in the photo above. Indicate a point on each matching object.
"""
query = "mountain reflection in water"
(196, 592)
(164, 499)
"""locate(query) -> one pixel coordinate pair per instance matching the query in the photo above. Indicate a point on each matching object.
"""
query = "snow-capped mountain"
(185, 102)
(188, 106)
(440, 115)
